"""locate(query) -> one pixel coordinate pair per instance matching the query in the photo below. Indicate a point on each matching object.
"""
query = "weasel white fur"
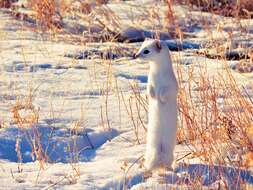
(162, 93)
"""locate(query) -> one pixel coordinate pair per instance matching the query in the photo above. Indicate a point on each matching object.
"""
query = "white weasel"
(162, 93)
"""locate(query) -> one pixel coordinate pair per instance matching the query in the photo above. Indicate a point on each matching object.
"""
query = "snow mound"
(54, 144)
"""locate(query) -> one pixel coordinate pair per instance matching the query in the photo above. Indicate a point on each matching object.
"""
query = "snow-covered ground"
(83, 137)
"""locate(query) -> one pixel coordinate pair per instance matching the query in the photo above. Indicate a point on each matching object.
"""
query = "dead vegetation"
(47, 13)
(215, 118)
(6, 3)
(230, 8)
(215, 113)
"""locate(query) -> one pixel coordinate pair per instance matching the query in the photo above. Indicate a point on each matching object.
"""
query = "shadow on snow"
(54, 144)
(186, 175)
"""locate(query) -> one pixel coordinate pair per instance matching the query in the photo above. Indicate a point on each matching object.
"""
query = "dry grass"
(214, 121)
(215, 113)
(232, 8)
(5, 3)
(26, 115)
(214, 118)
(46, 13)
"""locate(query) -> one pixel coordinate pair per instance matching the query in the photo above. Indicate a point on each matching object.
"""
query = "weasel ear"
(158, 45)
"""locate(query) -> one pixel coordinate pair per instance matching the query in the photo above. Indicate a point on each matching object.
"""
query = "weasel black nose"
(135, 55)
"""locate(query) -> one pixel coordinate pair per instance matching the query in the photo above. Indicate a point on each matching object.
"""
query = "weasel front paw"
(164, 94)
(151, 91)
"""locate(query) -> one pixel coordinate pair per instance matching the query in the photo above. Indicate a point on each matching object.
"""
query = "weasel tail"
(162, 118)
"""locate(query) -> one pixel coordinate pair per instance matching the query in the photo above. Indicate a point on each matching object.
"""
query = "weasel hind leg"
(151, 161)
(158, 157)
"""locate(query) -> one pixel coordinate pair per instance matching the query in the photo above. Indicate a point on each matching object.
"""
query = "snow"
(87, 150)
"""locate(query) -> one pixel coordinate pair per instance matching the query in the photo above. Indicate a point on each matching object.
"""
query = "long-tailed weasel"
(162, 92)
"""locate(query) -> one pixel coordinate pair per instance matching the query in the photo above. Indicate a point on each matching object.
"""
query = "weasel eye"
(146, 51)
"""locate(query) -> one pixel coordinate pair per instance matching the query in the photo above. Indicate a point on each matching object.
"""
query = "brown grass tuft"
(231, 8)
(6, 3)
(46, 13)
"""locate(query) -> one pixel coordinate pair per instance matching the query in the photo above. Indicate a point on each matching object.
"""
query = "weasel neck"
(162, 68)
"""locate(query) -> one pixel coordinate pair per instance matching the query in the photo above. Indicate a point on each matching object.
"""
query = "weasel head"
(151, 50)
